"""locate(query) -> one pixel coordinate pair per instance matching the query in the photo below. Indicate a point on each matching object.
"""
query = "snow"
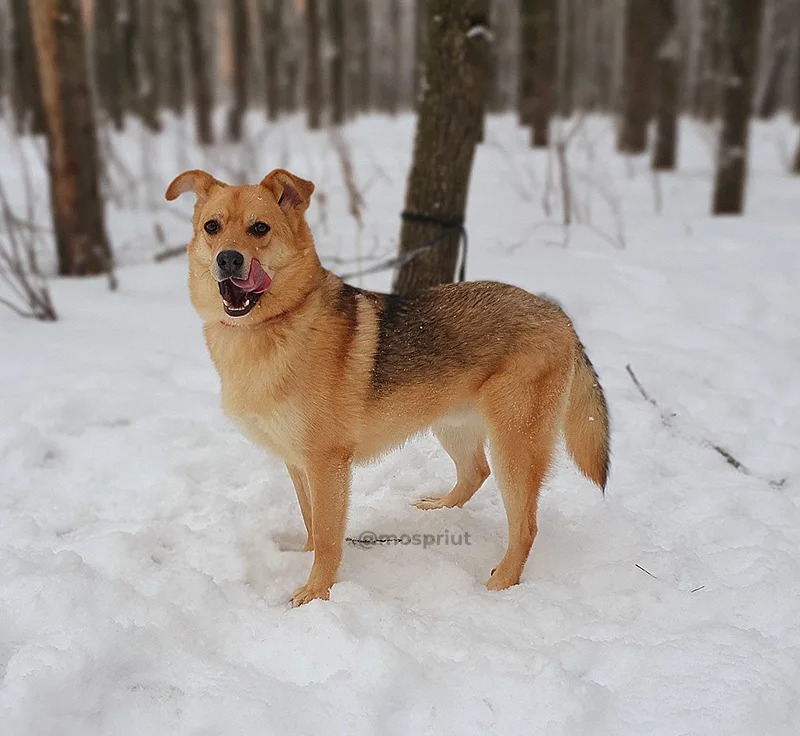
(480, 31)
(147, 551)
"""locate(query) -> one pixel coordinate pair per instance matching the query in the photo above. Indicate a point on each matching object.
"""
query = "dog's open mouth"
(239, 296)
(236, 301)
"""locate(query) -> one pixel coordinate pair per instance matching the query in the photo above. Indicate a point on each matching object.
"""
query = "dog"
(326, 375)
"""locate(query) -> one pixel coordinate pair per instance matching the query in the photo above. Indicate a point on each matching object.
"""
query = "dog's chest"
(261, 402)
(279, 430)
(265, 416)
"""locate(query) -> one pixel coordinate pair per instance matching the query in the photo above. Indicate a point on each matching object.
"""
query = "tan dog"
(326, 375)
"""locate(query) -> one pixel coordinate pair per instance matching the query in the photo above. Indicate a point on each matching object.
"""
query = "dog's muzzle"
(240, 295)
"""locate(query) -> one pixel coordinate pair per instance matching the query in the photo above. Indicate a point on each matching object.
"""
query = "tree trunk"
(174, 61)
(564, 42)
(271, 31)
(5, 42)
(545, 70)
(314, 66)
(638, 77)
(355, 38)
(774, 53)
(110, 63)
(365, 54)
(710, 73)
(527, 60)
(741, 52)
(147, 92)
(26, 95)
(240, 37)
(448, 128)
(337, 54)
(667, 89)
(419, 50)
(770, 97)
(394, 83)
(796, 78)
(198, 64)
(796, 162)
(78, 218)
(290, 54)
(125, 16)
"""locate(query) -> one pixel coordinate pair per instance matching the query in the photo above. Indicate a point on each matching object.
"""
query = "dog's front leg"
(329, 485)
(298, 476)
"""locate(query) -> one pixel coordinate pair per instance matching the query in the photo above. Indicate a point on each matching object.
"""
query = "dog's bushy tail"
(586, 421)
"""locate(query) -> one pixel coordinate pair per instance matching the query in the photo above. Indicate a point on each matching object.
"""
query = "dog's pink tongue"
(258, 279)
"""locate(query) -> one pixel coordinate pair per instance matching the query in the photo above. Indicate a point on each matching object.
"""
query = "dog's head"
(251, 249)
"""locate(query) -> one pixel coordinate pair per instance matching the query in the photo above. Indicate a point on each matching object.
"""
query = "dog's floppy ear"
(290, 191)
(197, 181)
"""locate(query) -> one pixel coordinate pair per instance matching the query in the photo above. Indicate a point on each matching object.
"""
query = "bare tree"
(741, 56)
(527, 60)
(419, 50)
(448, 129)
(710, 77)
(25, 93)
(241, 68)
(19, 268)
(795, 85)
(198, 64)
(638, 77)
(545, 69)
(78, 217)
(506, 55)
(271, 32)
(564, 30)
(393, 86)
(173, 60)
(314, 66)
(796, 162)
(337, 55)
(148, 92)
(358, 39)
(110, 62)
(666, 88)
(4, 44)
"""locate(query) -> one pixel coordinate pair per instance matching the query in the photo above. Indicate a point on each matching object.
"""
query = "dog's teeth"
(246, 303)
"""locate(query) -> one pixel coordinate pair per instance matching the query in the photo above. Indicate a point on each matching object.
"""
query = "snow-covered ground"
(147, 551)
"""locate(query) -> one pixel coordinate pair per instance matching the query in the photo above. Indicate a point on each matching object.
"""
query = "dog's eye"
(259, 229)
(211, 227)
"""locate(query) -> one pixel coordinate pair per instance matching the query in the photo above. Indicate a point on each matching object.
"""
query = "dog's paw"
(310, 592)
(437, 502)
(500, 579)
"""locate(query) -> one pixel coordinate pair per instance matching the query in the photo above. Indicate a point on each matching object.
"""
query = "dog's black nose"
(230, 263)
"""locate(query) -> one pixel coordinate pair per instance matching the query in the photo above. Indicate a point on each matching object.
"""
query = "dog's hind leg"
(522, 440)
(464, 442)
(298, 476)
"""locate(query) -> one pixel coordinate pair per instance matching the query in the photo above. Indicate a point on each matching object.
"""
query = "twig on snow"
(649, 399)
(646, 571)
(667, 417)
